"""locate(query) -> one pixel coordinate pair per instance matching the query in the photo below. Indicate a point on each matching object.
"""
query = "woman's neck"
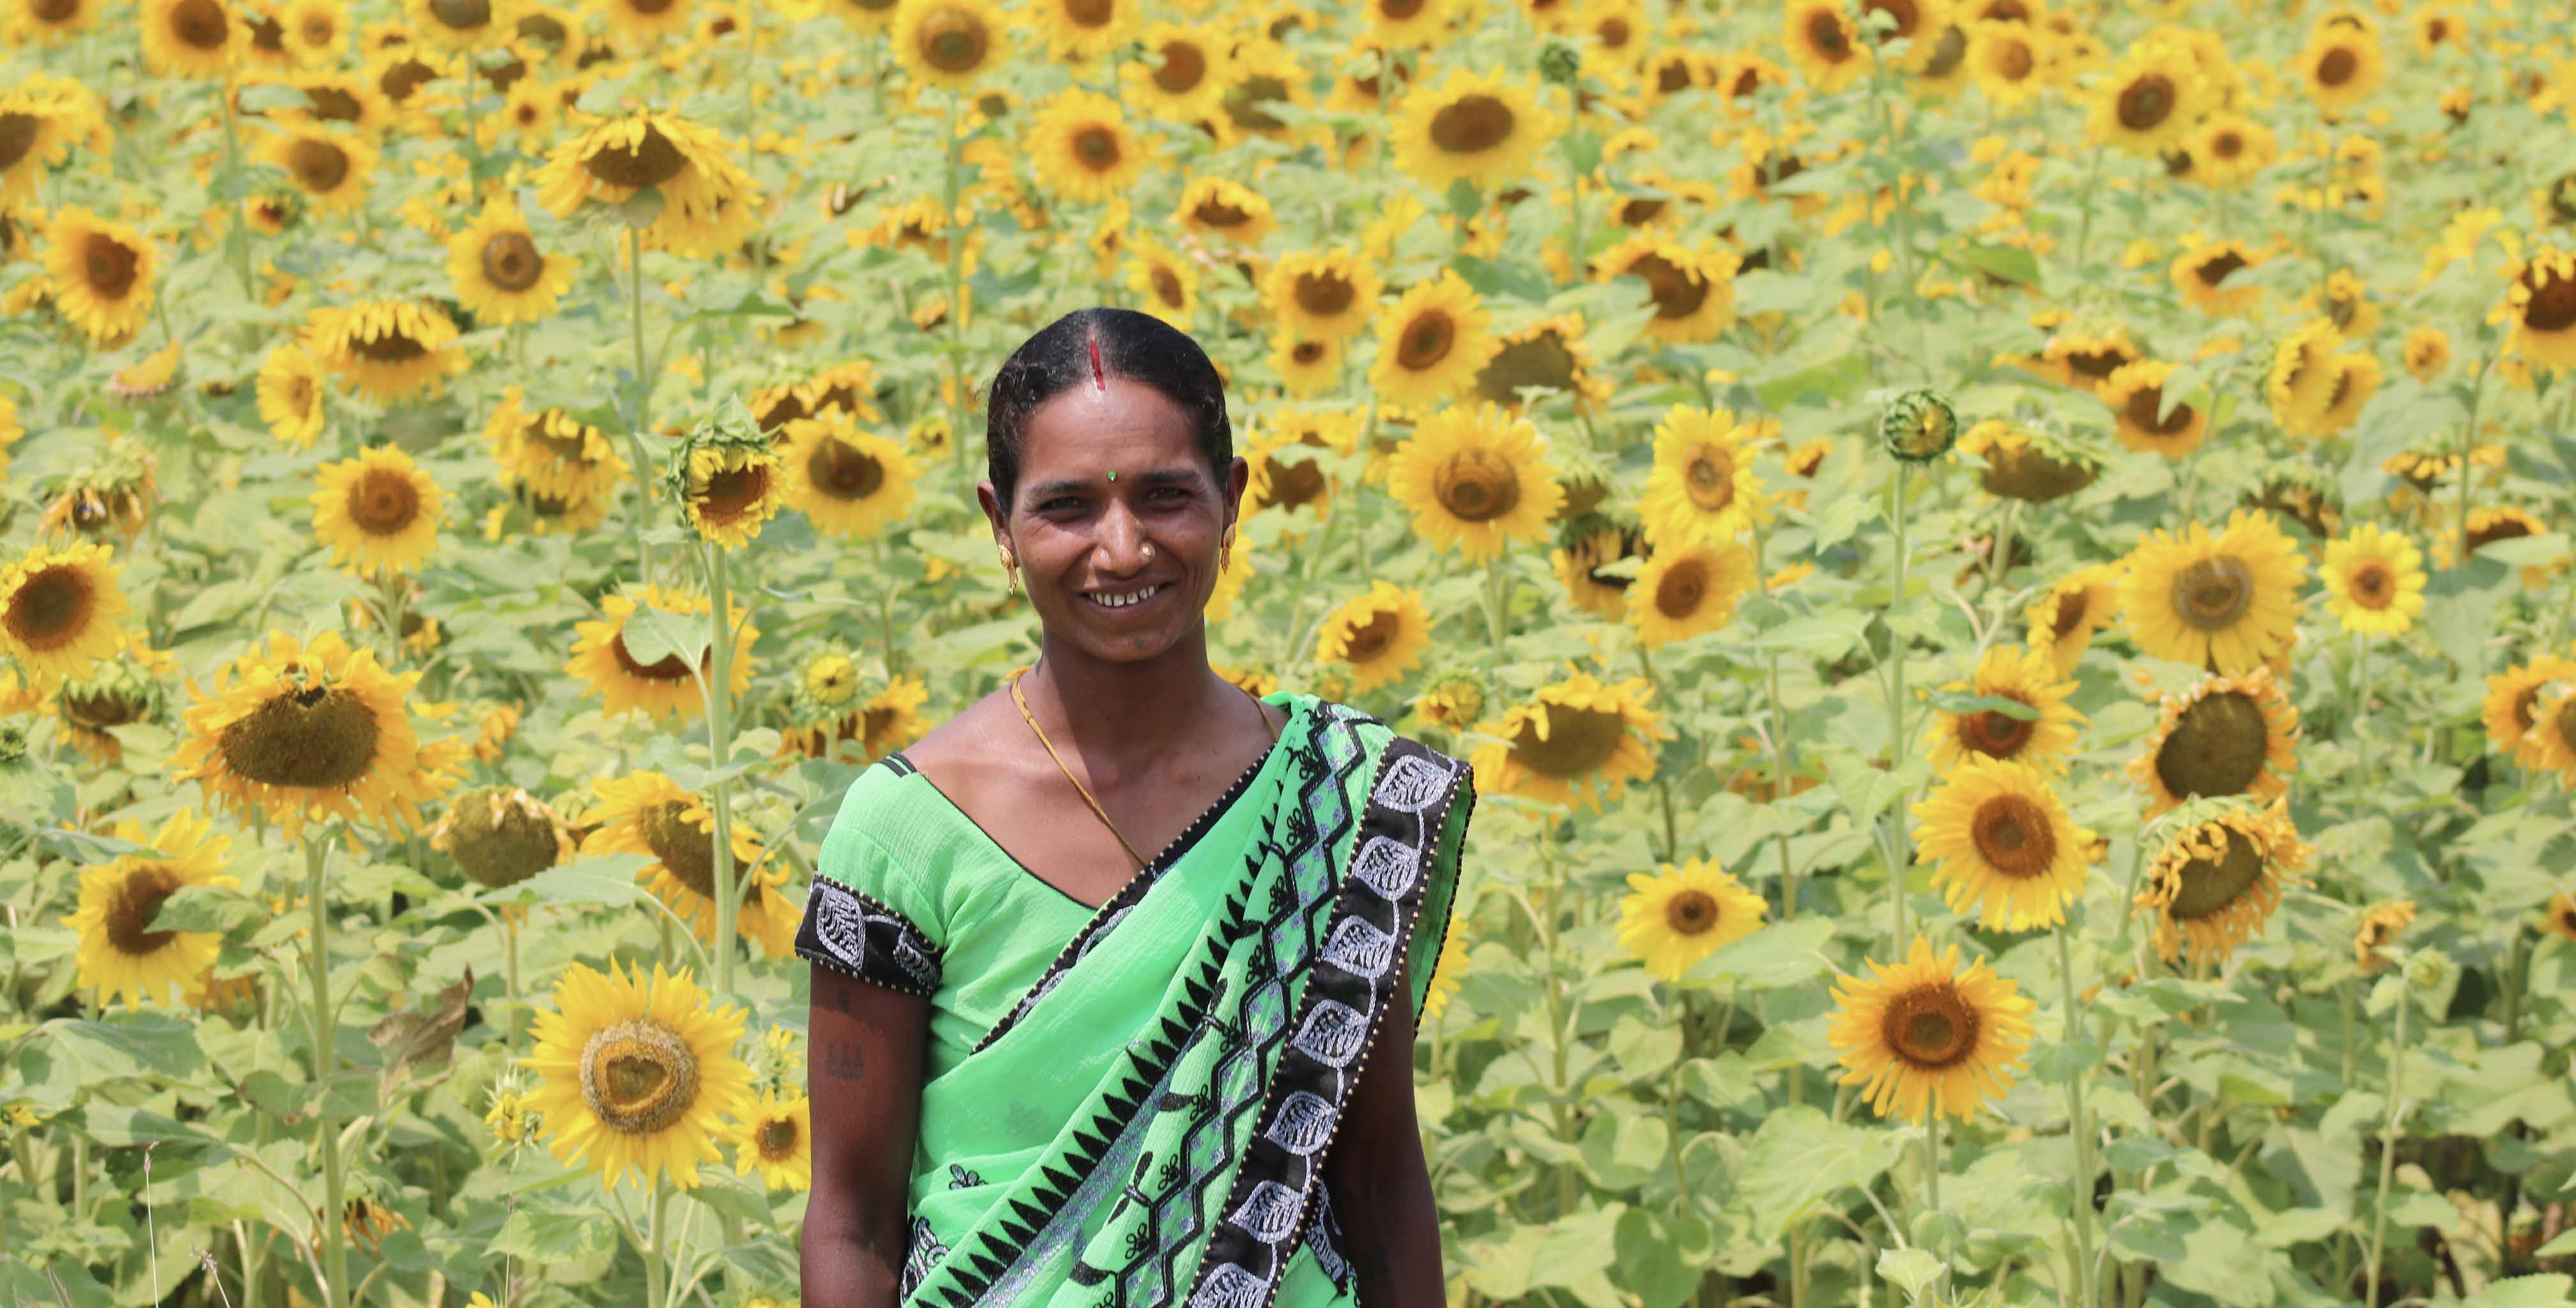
(1129, 715)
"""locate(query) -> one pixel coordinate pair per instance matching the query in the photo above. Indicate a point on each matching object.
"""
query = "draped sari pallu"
(1148, 1125)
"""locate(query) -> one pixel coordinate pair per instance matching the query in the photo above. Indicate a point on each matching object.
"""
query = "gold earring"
(1011, 566)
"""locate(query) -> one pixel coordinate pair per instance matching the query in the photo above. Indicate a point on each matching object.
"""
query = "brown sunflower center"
(2071, 607)
(2217, 747)
(1579, 741)
(2373, 585)
(1472, 124)
(639, 1076)
(843, 471)
(2501, 528)
(732, 493)
(395, 346)
(688, 852)
(317, 165)
(320, 737)
(462, 15)
(1167, 286)
(2212, 594)
(1323, 294)
(2146, 103)
(1994, 734)
(384, 502)
(51, 608)
(1541, 360)
(1476, 485)
(1825, 35)
(778, 1138)
(2216, 268)
(2097, 364)
(1090, 13)
(110, 265)
(1930, 1026)
(1683, 588)
(1709, 478)
(1292, 484)
(1219, 214)
(2338, 67)
(2142, 412)
(511, 261)
(1425, 341)
(2210, 885)
(1691, 913)
(2227, 144)
(650, 8)
(1307, 352)
(2552, 306)
(1948, 50)
(139, 897)
(1184, 67)
(2014, 60)
(2013, 835)
(54, 11)
(1095, 146)
(199, 24)
(1371, 638)
(17, 137)
(2563, 721)
(332, 104)
(1678, 292)
(650, 160)
(954, 40)
(399, 80)
(499, 843)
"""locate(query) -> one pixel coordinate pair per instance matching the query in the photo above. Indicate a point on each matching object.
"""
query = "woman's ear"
(1238, 476)
(994, 513)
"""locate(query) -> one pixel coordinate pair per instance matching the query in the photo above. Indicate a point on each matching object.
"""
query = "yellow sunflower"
(2226, 736)
(2202, 271)
(2427, 353)
(2136, 397)
(2377, 930)
(100, 273)
(1083, 148)
(2341, 68)
(2028, 676)
(2228, 148)
(1680, 915)
(2540, 303)
(2303, 372)
(1692, 288)
(665, 687)
(1825, 44)
(648, 813)
(47, 22)
(1926, 1034)
(1577, 742)
(2553, 736)
(777, 1137)
(2149, 102)
(388, 349)
(59, 611)
(2352, 379)
(2005, 842)
(647, 19)
(37, 132)
(1590, 544)
(1551, 355)
(1184, 74)
(635, 1075)
(290, 396)
(378, 512)
(193, 38)
(1325, 294)
(2374, 581)
(1168, 283)
(1431, 343)
(1702, 488)
(2227, 603)
(308, 731)
(1479, 128)
(500, 275)
(1687, 588)
(464, 24)
(2214, 885)
(329, 166)
(852, 484)
(1224, 211)
(2512, 705)
(502, 835)
(708, 200)
(316, 31)
(731, 488)
(121, 954)
(1377, 637)
(1475, 478)
(1306, 365)
(1079, 31)
(2008, 61)
(551, 453)
(893, 715)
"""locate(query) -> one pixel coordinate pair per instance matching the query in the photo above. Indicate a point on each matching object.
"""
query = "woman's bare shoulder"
(963, 746)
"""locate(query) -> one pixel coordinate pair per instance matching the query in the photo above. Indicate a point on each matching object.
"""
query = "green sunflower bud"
(1919, 426)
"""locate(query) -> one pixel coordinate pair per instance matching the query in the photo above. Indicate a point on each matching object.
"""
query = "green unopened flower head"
(1452, 698)
(1560, 63)
(1919, 426)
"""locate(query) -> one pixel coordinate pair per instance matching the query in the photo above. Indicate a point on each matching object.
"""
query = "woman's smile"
(1129, 602)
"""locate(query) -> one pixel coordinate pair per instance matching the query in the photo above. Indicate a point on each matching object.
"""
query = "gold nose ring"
(1149, 551)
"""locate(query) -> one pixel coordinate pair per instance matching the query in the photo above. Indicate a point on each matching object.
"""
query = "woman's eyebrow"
(1076, 485)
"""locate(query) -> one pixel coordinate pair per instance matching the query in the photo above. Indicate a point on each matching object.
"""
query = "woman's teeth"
(1122, 601)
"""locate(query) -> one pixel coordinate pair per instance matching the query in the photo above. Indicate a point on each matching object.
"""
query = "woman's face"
(1081, 538)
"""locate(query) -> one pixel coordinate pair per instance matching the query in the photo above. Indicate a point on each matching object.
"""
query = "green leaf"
(604, 879)
(1780, 954)
(733, 1195)
(205, 908)
(1800, 1157)
(1914, 1269)
(554, 1237)
(652, 635)
(1465, 201)
(1661, 1256)
(129, 1045)
(2562, 1243)
(2542, 1291)
(1833, 379)
(1963, 704)
(2009, 262)
(269, 97)
(2528, 551)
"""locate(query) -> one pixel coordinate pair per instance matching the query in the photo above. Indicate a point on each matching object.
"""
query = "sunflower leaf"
(204, 908)
(606, 879)
(1915, 1269)
(1963, 704)
(2009, 262)
(1800, 1157)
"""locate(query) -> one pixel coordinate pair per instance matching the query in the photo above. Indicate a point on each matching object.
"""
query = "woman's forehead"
(1088, 424)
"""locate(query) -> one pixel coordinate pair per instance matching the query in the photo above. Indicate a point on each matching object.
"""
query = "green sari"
(1144, 1124)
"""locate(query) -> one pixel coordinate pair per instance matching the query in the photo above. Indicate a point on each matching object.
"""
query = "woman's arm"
(863, 1074)
(1380, 1182)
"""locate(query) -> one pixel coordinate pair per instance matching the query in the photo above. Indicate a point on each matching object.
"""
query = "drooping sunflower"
(2540, 303)
(2226, 736)
(2215, 884)
(378, 512)
(852, 484)
(649, 813)
(1084, 149)
(1322, 293)
(1184, 74)
(1577, 742)
(551, 453)
(1376, 637)
(1474, 478)
(100, 273)
(2341, 68)
(893, 715)
(2303, 371)
(291, 396)
(2512, 705)
(330, 167)
(1927, 1034)
(2374, 581)
(126, 689)
(2553, 735)
(308, 731)
(2028, 676)
(1702, 488)
(777, 1137)
(2559, 919)
(2202, 271)
(2377, 930)
(2427, 353)
(1825, 44)
(1679, 915)
(1586, 546)
(502, 835)
(1549, 354)
(2149, 102)
(121, 954)
(2352, 379)
(60, 610)
(1224, 211)
(1687, 589)
(1692, 287)
(500, 274)
(1479, 128)
(635, 1075)
(602, 659)
(388, 349)
(728, 488)
(1431, 342)
(193, 38)
(708, 200)
(2226, 602)
(2030, 466)
(2005, 842)
(2086, 360)
(2136, 397)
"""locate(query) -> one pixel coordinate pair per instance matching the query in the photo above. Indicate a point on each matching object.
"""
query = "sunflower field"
(2003, 567)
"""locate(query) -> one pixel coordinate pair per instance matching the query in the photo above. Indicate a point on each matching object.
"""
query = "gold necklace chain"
(1022, 701)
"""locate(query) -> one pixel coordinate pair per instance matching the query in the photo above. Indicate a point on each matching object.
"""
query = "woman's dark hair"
(1123, 343)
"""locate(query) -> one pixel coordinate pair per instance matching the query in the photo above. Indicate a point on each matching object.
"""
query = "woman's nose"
(1122, 541)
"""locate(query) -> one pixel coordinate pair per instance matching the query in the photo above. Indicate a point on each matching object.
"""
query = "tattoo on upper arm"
(841, 1060)
(841, 998)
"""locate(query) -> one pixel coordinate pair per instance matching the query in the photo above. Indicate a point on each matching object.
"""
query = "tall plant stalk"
(643, 395)
(2081, 1129)
(326, 1064)
(2388, 1145)
(1896, 738)
(719, 750)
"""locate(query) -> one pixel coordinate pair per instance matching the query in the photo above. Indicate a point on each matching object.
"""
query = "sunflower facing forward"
(122, 955)
(648, 813)
(948, 43)
(378, 512)
(500, 273)
(1577, 742)
(2540, 303)
(635, 1074)
(291, 396)
(2216, 883)
(2374, 581)
(1325, 294)
(852, 484)
(1378, 636)
(2225, 736)
(605, 663)
(1686, 590)
(1474, 479)
(1477, 128)
(1691, 286)
(2028, 677)
(777, 1137)
(193, 38)
(1926, 1034)
(2136, 396)
(2004, 842)
(1084, 149)
(59, 611)
(2224, 602)
(100, 273)
(1430, 344)
(329, 166)
(1680, 915)
(388, 349)
(1702, 488)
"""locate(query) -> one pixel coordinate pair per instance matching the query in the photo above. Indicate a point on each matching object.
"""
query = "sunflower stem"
(2361, 710)
(654, 1272)
(643, 393)
(1896, 650)
(1932, 1188)
(1497, 592)
(335, 1253)
(956, 289)
(2388, 1146)
(2468, 442)
(2082, 1131)
(236, 239)
(719, 750)
(2084, 227)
